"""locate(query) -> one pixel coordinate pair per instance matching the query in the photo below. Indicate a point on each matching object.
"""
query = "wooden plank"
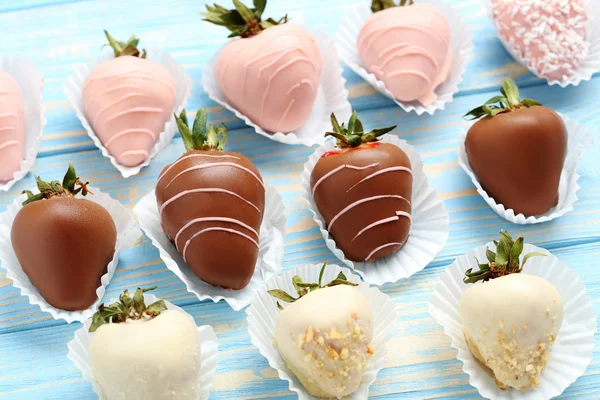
(421, 365)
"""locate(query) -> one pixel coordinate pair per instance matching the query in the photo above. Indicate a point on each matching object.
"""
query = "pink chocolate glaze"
(408, 49)
(12, 127)
(551, 35)
(127, 101)
(272, 78)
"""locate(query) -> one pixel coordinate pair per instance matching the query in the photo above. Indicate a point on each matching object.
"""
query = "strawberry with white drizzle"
(363, 190)
(127, 101)
(211, 205)
(12, 127)
(550, 35)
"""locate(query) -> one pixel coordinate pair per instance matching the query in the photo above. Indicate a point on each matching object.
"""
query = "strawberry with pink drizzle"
(127, 101)
(211, 205)
(550, 35)
(363, 191)
(272, 74)
(12, 127)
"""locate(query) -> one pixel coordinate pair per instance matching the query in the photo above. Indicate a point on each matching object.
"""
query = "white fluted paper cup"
(31, 84)
(263, 313)
(589, 65)
(461, 43)
(570, 354)
(578, 142)
(428, 233)
(332, 97)
(207, 363)
(128, 232)
(270, 253)
(183, 86)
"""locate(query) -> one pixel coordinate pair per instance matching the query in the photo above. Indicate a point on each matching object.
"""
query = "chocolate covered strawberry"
(511, 320)
(272, 74)
(211, 205)
(127, 101)
(407, 47)
(140, 351)
(363, 190)
(325, 335)
(517, 150)
(64, 243)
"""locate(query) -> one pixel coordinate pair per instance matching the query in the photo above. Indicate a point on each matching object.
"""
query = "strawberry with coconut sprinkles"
(550, 35)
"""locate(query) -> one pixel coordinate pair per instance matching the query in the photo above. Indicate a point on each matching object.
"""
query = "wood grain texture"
(58, 34)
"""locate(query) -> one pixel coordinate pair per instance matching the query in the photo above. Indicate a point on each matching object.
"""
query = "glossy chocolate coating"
(224, 194)
(518, 158)
(363, 219)
(64, 245)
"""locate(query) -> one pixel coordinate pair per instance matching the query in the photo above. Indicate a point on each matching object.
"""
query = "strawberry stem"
(379, 5)
(128, 48)
(241, 21)
(354, 135)
(57, 189)
(509, 101)
(199, 137)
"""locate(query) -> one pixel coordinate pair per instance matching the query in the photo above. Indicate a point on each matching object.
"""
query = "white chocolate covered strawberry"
(146, 352)
(325, 336)
(511, 320)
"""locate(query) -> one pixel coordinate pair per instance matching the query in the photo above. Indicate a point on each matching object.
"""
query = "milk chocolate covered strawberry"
(63, 243)
(127, 101)
(363, 190)
(211, 205)
(517, 149)
(272, 73)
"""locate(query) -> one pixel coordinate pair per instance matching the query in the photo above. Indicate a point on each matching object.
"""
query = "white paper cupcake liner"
(428, 234)
(31, 83)
(183, 86)
(263, 313)
(461, 43)
(332, 97)
(578, 141)
(209, 348)
(572, 351)
(128, 233)
(270, 253)
(588, 67)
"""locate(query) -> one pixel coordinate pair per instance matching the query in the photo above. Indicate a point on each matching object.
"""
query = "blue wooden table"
(58, 34)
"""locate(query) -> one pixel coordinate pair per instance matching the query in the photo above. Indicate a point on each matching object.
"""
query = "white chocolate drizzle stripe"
(341, 167)
(381, 171)
(215, 229)
(206, 190)
(193, 156)
(134, 110)
(106, 107)
(7, 128)
(134, 74)
(215, 219)
(109, 90)
(374, 224)
(7, 115)
(382, 247)
(130, 153)
(221, 164)
(127, 132)
(356, 203)
(8, 144)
